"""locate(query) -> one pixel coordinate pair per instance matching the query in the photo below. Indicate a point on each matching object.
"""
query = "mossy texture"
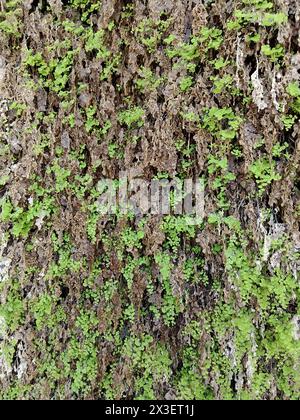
(124, 307)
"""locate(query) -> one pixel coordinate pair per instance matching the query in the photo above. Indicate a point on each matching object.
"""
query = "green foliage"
(13, 307)
(259, 4)
(278, 150)
(264, 173)
(220, 63)
(256, 12)
(4, 180)
(93, 217)
(186, 153)
(275, 54)
(86, 7)
(7, 210)
(254, 38)
(130, 268)
(72, 28)
(171, 306)
(293, 90)
(65, 262)
(191, 386)
(288, 121)
(95, 42)
(187, 52)
(91, 121)
(224, 125)
(150, 362)
(133, 238)
(190, 381)
(53, 74)
(116, 308)
(132, 117)
(111, 66)
(10, 18)
(272, 293)
(222, 177)
(214, 120)
(61, 176)
(274, 19)
(222, 83)
(129, 314)
(190, 117)
(174, 227)
(46, 312)
(23, 220)
(186, 83)
(114, 151)
(82, 354)
(151, 32)
(193, 271)
(148, 81)
(211, 38)
(15, 392)
(18, 107)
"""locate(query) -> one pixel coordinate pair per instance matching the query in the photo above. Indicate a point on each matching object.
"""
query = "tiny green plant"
(10, 18)
(86, 7)
(212, 38)
(95, 41)
(222, 123)
(264, 173)
(91, 121)
(152, 32)
(186, 83)
(293, 90)
(12, 310)
(132, 117)
(275, 54)
(256, 12)
(54, 74)
(288, 121)
(222, 83)
(171, 306)
(23, 220)
(147, 81)
(188, 52)
(18, 107)
(220, 63)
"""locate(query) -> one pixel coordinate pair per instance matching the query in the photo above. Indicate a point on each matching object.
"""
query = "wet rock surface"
(97, 306)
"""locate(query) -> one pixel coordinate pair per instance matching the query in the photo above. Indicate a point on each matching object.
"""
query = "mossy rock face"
(149, 307)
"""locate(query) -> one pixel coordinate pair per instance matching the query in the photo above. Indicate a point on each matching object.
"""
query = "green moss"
(11, 19)
(132, 117)
(13, 307)
(264, 173)
(86, 7)
(115, 307)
